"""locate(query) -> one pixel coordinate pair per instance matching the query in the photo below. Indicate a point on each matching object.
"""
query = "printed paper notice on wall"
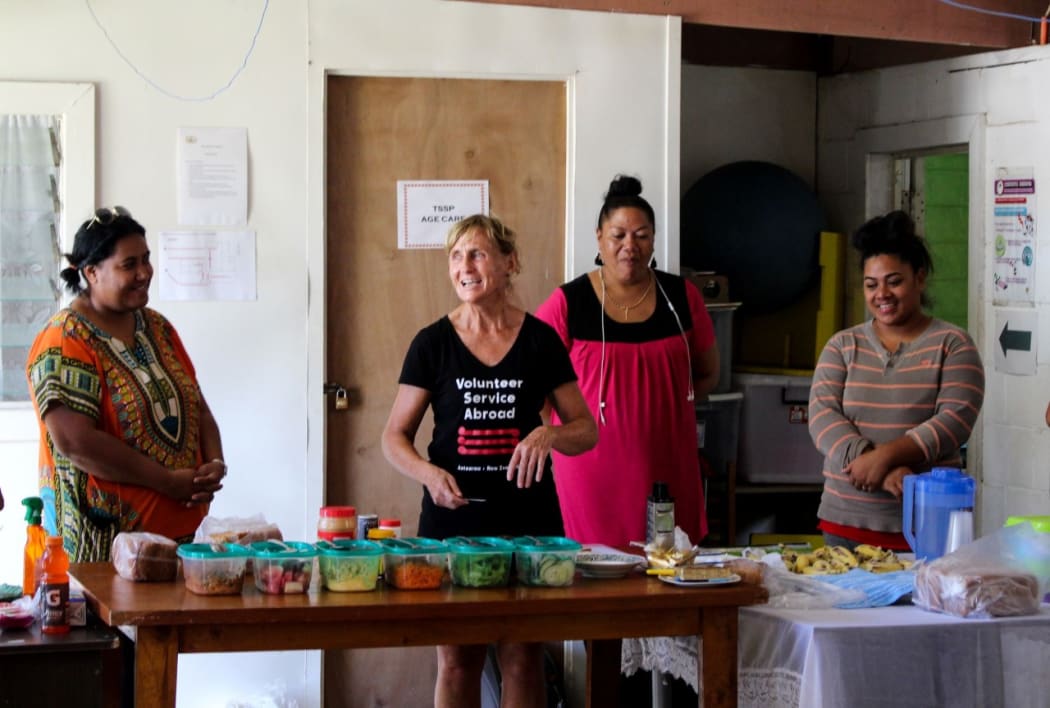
(207, 265)
(212, 176)
(427, 208)
(1014, 230)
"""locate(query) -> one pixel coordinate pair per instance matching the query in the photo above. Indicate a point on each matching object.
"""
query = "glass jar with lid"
(337, 522)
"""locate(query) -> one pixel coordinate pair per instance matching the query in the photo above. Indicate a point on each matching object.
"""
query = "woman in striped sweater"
(893, 396)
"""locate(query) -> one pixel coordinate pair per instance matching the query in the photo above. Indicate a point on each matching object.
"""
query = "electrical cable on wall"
(161, 89)
(985, 11)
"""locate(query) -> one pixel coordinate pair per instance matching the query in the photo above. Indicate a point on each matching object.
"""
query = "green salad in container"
(479, 561)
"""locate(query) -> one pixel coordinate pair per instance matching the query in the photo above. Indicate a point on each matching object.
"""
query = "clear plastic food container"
(414, 563)
(349, 566)
(282, 567)
(213, 568)
(479, 561)
(545, 560)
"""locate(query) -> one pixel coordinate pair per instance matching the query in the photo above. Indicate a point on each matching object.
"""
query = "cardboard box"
(775, 446)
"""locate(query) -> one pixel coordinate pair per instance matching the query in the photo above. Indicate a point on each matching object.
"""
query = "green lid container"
(479, 561)
(1039, 523)
(213, 568)
(414, 563)
(212, 551)
(340, 547)
(412, 546)
(282, 568)
(349, 565)
(545, 560)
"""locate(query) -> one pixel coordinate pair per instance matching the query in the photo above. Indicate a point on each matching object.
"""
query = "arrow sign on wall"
(1016, 339)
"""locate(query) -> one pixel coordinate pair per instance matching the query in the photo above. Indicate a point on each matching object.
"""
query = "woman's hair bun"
(624, 186)
(71, 277)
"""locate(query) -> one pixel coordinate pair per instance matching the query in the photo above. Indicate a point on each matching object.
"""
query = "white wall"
(731, 114)
(997, 103)
(261, 363)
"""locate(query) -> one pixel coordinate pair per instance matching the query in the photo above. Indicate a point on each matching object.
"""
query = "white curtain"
(30, 257)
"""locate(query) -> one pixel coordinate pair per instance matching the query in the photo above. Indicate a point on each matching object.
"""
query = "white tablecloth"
(887, 656)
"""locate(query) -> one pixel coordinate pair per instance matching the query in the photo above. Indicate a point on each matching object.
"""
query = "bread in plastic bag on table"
(147, 557)
(1003, 574)
(242, 531)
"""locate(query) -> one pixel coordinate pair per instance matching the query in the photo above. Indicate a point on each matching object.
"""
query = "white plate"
(607, 565)
(671, 580)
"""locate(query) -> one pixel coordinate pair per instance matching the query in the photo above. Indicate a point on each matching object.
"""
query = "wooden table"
(170, 620)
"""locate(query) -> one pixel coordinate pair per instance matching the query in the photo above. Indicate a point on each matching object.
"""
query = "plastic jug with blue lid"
(929, 500)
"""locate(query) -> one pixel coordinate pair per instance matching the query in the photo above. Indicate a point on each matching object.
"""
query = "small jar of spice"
(392, 524)
(337, 522)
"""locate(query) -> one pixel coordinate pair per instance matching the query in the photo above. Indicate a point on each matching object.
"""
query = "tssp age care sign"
(427, 208)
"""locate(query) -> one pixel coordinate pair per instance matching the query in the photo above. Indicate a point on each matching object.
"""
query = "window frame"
(75, 103)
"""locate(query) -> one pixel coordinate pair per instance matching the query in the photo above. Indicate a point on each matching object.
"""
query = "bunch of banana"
(879, 560)
(833, 560)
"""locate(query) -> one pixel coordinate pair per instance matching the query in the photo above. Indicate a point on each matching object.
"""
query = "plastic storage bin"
(722, 318)
(213, 569)
(479, 561)
(347, 565)
(775, 446)
(283, 568)
(414, 563)
(718, 430)
(545, 560)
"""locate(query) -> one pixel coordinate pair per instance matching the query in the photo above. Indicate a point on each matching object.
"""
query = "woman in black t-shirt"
(488, 369)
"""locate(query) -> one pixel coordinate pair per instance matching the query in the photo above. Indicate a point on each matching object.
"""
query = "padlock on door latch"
(341, 400)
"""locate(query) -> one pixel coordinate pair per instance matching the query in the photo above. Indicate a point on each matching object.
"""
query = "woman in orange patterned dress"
(127, 441)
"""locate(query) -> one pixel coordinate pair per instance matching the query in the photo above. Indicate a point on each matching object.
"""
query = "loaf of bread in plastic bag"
(147, 557)
(977, 592)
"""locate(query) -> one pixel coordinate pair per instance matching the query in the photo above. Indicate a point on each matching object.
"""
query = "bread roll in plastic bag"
(242, 531)
(147, 557)
(1003, 574)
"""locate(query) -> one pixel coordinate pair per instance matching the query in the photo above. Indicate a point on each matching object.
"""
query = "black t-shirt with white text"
(480, 414)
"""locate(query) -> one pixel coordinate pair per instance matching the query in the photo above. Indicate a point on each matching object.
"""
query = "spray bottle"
(36, 542)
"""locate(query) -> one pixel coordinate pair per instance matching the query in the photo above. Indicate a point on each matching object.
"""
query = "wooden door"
(380, 130)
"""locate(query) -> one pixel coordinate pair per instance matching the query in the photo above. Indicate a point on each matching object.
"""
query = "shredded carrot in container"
(413, 575)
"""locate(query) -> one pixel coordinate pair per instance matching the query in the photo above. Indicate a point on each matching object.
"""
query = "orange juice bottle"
(36, 540)
(55, 586)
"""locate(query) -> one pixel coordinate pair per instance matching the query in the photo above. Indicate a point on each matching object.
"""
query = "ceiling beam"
(929, 21)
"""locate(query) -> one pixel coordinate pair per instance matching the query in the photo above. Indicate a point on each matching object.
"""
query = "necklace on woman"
(625, 308)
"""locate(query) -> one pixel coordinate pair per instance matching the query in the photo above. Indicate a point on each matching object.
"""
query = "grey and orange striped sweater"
(931, 389)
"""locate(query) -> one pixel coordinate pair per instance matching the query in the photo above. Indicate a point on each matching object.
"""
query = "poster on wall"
(1013, 228)
(212, 176)
(427, 208)
(207, 265)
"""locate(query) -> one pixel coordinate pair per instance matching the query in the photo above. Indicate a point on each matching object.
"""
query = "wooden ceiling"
(829, 36)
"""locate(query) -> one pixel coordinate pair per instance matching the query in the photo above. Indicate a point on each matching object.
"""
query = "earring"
(598, 259)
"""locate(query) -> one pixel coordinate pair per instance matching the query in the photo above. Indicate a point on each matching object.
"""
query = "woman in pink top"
(644, 350)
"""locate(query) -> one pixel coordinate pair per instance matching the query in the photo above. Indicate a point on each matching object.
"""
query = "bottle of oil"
(55, 587)
(36, 541)
(659, 517)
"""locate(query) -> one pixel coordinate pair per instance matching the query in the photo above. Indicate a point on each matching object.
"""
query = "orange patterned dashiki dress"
(146, 395)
